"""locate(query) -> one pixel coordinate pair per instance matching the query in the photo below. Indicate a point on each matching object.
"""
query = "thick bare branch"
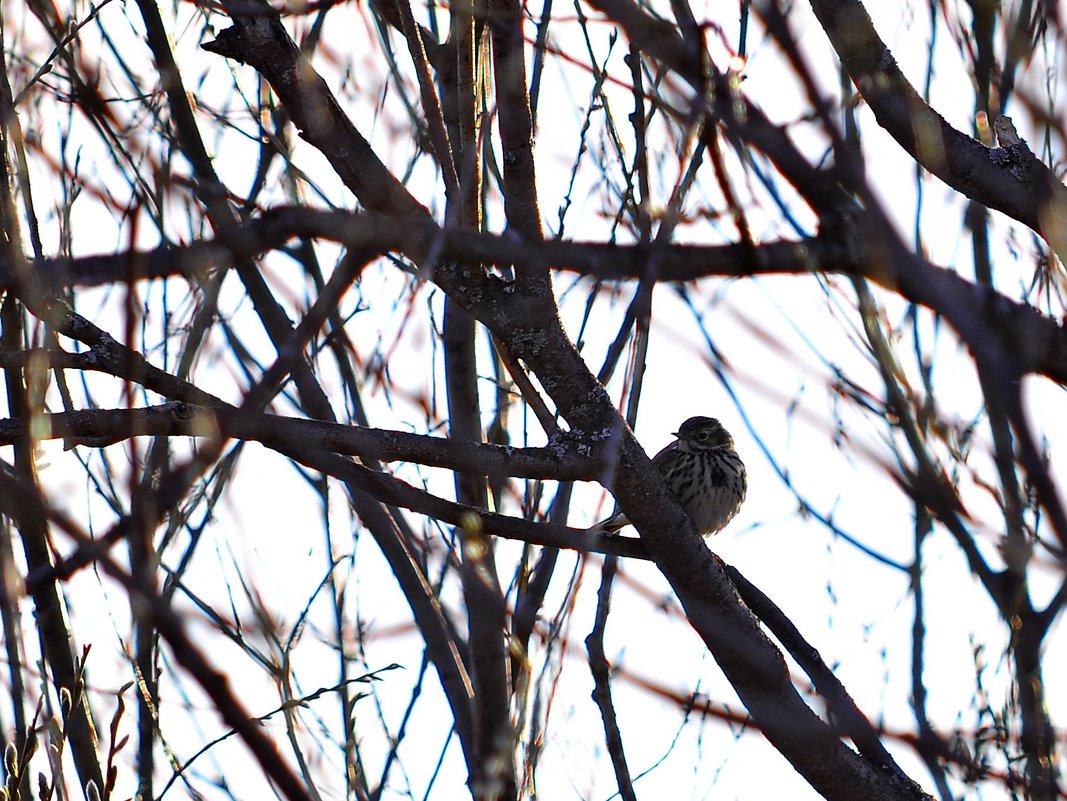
(1038, 343)
(1009, 179)
(564, 461)
(258, 39)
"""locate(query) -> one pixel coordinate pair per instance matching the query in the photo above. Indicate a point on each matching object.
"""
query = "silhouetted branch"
(567, 460)
(260, 40)
(1038, 343)
(1009, 179)
(601, 670)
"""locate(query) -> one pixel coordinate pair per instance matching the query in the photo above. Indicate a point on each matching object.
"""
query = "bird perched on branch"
(703, 472)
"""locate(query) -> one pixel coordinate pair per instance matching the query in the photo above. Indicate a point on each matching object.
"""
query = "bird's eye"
(703, 435)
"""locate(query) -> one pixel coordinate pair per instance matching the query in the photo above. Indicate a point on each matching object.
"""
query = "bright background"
(785, 346)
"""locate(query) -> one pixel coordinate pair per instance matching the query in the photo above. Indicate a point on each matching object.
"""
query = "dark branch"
(1038, 342)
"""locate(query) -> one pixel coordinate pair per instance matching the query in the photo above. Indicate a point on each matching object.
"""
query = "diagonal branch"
(1009, 179)
(258, 39)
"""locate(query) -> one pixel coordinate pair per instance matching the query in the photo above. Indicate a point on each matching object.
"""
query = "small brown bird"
(703, 472)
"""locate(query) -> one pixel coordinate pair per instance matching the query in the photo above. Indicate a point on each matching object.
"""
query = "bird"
(704, 474)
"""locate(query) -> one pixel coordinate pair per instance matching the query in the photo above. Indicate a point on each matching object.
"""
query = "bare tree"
(247, 244)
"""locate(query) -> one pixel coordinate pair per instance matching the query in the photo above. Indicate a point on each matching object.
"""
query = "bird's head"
(704, 432)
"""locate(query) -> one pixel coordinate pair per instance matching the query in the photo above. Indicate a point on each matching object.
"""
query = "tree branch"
(1038, 343)
(567, 460)
(1009, 179)
(257, 38)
